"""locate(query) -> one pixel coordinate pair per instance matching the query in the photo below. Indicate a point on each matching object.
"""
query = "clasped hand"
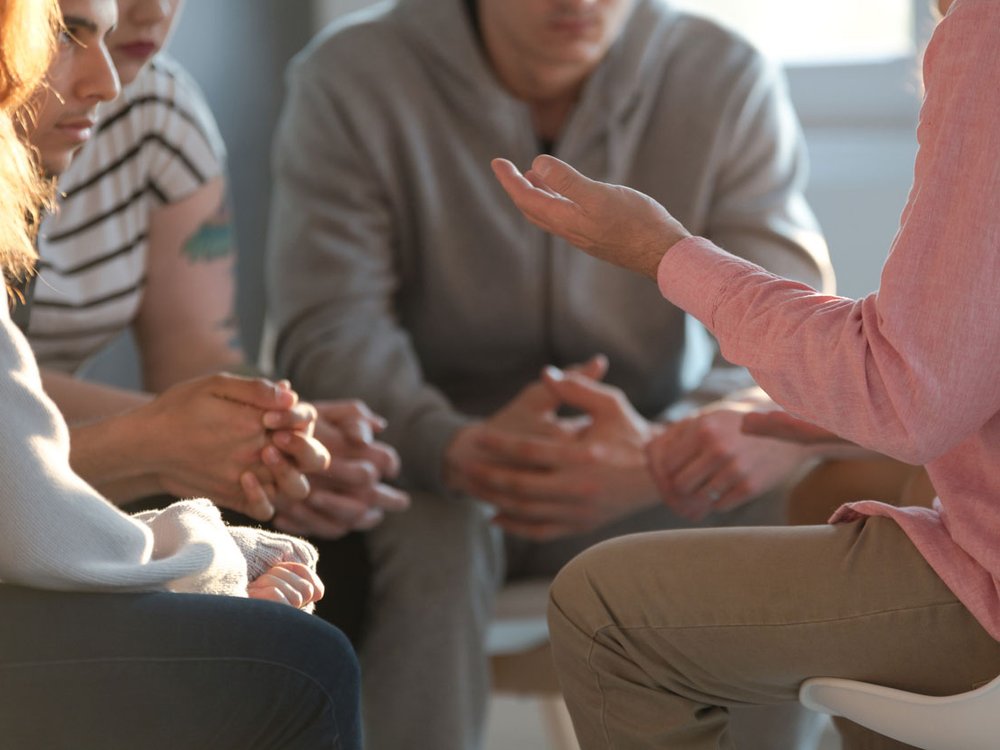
(551, 476)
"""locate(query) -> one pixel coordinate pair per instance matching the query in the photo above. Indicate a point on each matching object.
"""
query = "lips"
(139, 50)
(77, 130)
(573, 25)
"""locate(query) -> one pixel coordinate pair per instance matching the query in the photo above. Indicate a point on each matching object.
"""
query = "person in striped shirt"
(142, 241)
(119, 631)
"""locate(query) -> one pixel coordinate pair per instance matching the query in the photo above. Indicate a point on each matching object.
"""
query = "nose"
(147, 12)
(98, 78)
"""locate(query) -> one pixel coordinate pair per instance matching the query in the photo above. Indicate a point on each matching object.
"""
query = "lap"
(167, 670)
(759, 610)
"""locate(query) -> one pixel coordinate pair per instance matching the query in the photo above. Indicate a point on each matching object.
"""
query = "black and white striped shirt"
(154, 145)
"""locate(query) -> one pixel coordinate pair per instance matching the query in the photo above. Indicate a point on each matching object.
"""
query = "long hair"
(27, 42)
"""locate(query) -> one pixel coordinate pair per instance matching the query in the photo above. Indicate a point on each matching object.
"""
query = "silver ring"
(714, 495)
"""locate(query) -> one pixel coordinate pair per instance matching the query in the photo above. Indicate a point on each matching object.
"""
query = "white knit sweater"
(59, 533)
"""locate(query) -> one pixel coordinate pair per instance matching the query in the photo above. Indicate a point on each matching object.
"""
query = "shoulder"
(968, 38)
(163, 102)
(365, 46)
(707, 52)
(693, 64)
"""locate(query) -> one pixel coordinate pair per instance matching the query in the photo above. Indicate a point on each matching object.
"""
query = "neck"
(551, 91)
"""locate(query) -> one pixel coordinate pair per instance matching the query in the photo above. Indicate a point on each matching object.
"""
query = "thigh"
(737, 616)
(531, 559)
(169, 670)
(832, 483)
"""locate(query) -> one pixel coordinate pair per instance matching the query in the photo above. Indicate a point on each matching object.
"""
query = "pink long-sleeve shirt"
(912, 370)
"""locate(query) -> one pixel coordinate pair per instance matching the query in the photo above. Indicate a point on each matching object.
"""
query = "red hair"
(27, 42)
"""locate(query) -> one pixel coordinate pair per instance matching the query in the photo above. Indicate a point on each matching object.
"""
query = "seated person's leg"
(435, 572)
(108, 671)
(657, 636)
(833, 483)
(753, 728)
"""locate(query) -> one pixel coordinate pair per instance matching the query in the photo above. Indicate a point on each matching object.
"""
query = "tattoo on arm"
(231, 326)
(214, 239)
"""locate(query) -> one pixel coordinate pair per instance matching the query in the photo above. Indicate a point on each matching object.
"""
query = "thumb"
(594, 368)
(581, 392)
(559, 177)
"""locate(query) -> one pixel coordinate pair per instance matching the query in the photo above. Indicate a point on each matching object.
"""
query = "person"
(394, 275)
(143, 631)
(905, 597)
(142, 241)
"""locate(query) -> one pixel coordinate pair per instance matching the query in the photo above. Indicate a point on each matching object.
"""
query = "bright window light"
(804, 32)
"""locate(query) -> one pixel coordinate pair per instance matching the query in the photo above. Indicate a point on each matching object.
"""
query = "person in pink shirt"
(657, 635)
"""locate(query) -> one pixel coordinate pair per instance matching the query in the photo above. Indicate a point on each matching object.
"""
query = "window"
(799, 32)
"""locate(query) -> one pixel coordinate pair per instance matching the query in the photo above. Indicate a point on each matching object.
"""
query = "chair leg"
(558, 726)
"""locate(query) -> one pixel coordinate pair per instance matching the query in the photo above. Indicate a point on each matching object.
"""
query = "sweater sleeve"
(60, 534)
(333, 276)
(911, 370)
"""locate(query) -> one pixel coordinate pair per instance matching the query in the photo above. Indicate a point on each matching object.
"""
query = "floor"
(516, 724)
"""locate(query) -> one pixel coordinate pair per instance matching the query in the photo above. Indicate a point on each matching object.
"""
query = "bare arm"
(187, 323)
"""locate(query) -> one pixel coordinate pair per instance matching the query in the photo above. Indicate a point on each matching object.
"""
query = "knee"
(331, 660)
(331, 666)
(575, 599)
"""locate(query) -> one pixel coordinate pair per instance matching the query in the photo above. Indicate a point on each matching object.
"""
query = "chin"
(55, 164)
(128, 69)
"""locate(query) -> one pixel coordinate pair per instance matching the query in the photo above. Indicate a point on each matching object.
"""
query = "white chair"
(518, 645)
(967, 721)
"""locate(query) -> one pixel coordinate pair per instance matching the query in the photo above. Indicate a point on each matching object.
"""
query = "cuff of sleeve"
(264, 549)
(422, 450)
(693, 275)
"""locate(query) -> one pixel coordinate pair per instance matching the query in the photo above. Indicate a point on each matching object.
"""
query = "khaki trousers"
(656, 636)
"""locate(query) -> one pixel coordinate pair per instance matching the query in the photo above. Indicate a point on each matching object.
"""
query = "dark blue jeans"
(150, 671)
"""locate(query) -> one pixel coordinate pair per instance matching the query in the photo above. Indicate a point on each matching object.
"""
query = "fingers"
(257, 503)
(257, 392)
(289, 482)
(299, 418)
(538, 204)
(536, 452)
(548, 172)
(355, 421)
(534, 493)
(698, 472)
(288, 583)
(594, 368)
(306, 453)
(676, 446)
(783, 426)
(382, 456)
(583, 393)
(329, 514)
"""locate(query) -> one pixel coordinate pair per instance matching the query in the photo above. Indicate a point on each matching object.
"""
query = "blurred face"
(81, 76)
(143, 29)
(549, 35)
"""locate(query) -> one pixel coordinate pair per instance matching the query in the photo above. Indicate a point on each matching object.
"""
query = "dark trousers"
(109, 671)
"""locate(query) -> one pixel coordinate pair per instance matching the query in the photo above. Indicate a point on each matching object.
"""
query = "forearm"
(81, 401)
(110, 455)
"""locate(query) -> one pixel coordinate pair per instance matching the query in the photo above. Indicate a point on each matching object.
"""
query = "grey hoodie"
(399, 272)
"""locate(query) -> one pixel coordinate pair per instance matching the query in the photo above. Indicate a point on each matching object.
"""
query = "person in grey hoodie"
(399, 274)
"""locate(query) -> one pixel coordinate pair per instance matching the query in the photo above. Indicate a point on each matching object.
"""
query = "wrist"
(456, 455)
(111, 454)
